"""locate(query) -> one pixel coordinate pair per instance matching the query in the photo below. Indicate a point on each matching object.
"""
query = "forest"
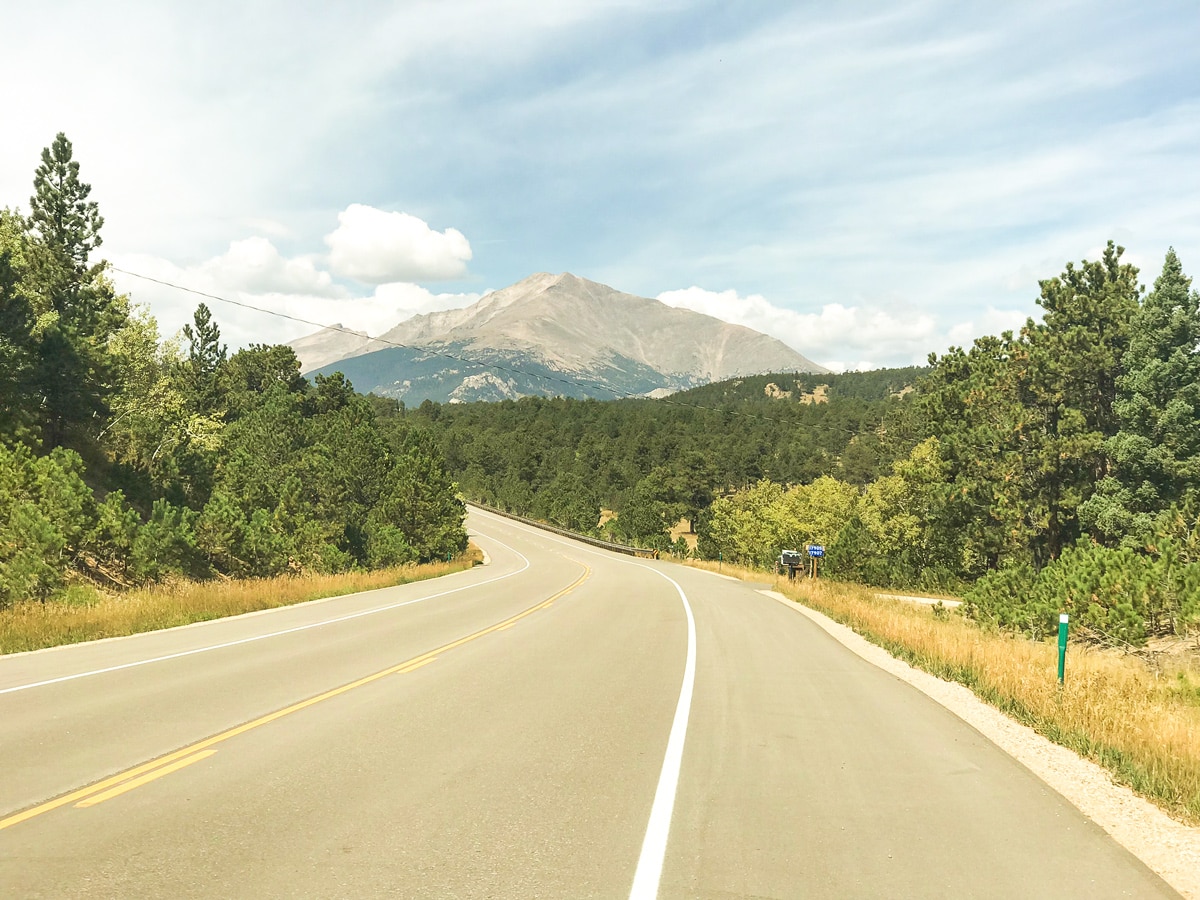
(127, 459)
(1055, 469)
(656, 461)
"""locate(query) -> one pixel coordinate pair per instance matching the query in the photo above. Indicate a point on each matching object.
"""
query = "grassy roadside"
(32, 626)
(1142, 725)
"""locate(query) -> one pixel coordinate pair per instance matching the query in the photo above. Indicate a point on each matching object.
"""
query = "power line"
(511, 370)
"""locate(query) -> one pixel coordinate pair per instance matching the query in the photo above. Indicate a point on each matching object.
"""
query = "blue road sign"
(816, 550)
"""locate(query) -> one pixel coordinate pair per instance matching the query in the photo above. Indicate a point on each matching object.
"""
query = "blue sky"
(869, 184)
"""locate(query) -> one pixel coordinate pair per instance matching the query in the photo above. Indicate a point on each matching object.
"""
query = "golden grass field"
(1139, 720)
(32, 626)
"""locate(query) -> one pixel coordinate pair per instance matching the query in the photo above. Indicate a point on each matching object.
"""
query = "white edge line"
(654, 846)
(262, 637)
(658, 828)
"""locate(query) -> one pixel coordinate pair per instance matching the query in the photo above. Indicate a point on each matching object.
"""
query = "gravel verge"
(1169, 848)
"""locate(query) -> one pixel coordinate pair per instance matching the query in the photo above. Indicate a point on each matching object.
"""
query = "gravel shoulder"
(1169, 848)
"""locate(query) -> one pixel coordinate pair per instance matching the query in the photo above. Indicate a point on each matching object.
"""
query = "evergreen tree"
(78, 306)
(206, 355)
(971, 401)
(1156, 452)
(16, 358)
(1068, 384)
(67, 222)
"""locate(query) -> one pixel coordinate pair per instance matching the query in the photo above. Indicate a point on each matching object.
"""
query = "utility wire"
(511, 370)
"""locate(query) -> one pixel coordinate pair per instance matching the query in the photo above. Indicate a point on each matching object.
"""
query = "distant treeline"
(656, 461)
(1056, 469)
(125, 459)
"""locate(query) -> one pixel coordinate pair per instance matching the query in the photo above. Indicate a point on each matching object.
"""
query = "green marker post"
(1062, 647)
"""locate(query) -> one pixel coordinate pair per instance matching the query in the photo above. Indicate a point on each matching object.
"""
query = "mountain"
(330, 345)
(548, 335)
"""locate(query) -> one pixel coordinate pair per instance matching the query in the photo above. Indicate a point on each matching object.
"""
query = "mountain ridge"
(587, 331)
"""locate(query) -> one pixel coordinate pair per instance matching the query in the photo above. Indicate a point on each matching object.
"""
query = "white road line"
(658, 828)
(263, 637)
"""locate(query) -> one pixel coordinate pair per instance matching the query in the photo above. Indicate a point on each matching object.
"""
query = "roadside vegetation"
(1138, 716)
(85, 614)
(128, 461)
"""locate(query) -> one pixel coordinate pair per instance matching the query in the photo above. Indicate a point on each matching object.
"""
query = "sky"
(868, 182)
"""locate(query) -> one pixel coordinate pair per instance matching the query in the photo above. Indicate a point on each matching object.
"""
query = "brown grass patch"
(89, 615)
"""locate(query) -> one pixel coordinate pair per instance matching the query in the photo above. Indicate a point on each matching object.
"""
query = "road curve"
(517, 731)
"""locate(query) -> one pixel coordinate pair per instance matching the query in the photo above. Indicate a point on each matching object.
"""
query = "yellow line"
(145, 779)
(165, 762)
(416, 666)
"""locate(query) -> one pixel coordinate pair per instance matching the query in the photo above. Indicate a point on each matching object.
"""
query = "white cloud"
(254, 266)
(297, 298)
(406, 300)
(836, 332)
(376, 247)
(992, 321)
(848, 338)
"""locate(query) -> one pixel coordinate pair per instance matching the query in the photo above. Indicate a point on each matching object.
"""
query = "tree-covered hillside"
(126, 459)
(658, 460)
(1057, 469)
(878, 384)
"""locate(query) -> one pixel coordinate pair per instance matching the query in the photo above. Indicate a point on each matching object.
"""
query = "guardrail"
(640, 552)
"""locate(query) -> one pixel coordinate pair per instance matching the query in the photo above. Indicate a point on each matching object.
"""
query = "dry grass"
(89, 615)
(1140, 722)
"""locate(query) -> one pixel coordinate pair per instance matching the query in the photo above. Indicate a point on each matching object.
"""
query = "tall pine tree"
(80, 309)
(1156, 452)
(1068, 387)
(206, 355)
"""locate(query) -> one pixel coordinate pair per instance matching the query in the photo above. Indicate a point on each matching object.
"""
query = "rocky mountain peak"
(568, 324)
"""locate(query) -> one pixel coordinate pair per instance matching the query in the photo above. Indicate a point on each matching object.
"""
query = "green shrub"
(387, 547)
(166, 545)
(1115, 596)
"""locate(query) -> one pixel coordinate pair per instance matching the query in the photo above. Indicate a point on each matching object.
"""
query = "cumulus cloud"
(255, 266)
(847, 337)
(378, 247)
(405, 300)
(288, 289)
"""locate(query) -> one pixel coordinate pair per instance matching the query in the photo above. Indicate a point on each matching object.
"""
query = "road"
(563, 722)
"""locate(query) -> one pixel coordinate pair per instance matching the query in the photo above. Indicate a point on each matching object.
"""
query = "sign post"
(1062, 647)
(815, 552)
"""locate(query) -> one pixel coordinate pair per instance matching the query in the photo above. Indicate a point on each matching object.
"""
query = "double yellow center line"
(173, 762)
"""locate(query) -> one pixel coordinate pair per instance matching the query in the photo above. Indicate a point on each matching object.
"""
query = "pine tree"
(1156, 452)
(67, 222)
(206, 355)
(78, 305)
(1068, 387)
(16, 358)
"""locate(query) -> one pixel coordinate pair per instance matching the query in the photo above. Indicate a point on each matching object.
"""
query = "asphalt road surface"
(563, 722)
